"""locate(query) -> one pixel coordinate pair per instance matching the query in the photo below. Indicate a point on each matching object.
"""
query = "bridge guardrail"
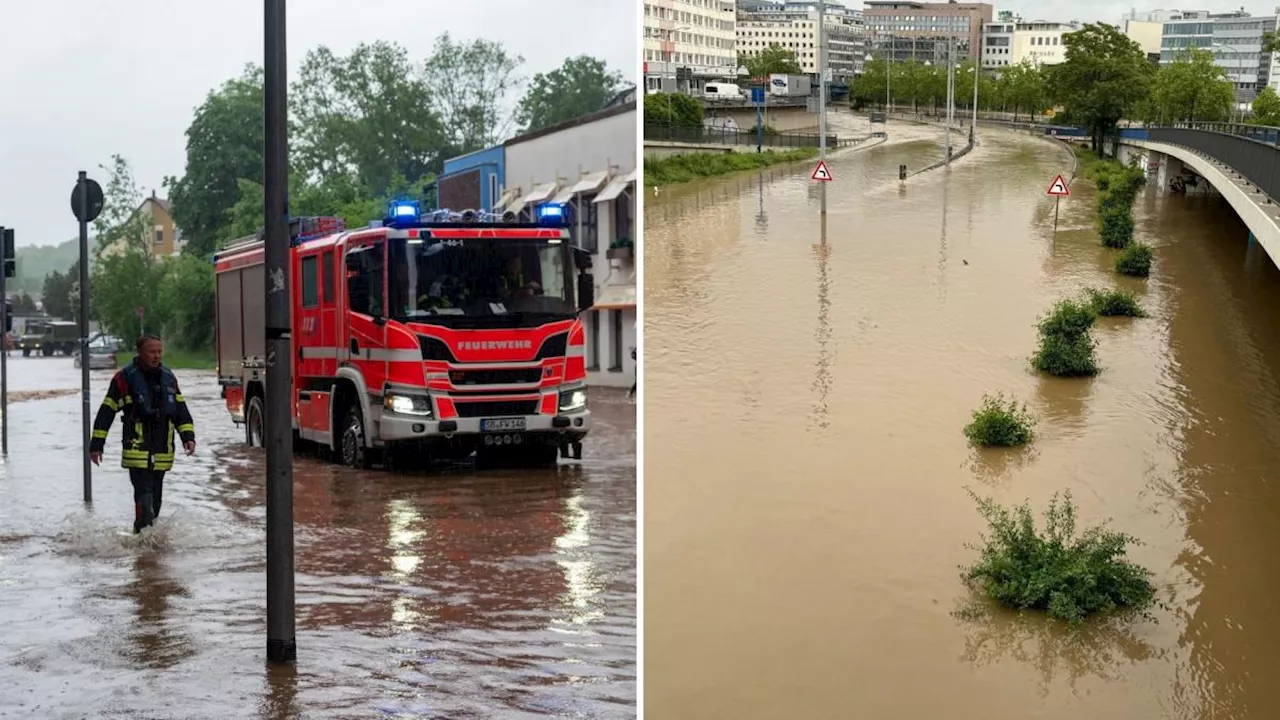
(1250, 150)
(730, 136)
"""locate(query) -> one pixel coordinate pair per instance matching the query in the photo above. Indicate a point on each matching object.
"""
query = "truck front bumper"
(541, 429)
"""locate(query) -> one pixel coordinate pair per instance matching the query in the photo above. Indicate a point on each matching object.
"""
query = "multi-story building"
(163, 238)
(909, 20)
(997, 44)
(1012, 40)
(1146, 33)
(1234, 38)
(694, 34)
(794, 26)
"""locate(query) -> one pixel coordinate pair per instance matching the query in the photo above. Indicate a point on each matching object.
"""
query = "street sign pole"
(1057, 190)
(822, 97)
(1056, 202)
(8, 235)
(86, 204)
(281, 623)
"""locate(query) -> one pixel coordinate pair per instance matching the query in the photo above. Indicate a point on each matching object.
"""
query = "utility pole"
(973, 128)
(281, 631)
(6, 320)
(822, 96)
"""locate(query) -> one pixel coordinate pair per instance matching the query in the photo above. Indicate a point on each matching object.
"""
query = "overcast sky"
(83, 79)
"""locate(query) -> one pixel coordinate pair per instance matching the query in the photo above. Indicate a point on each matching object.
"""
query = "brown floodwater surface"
(806, 385)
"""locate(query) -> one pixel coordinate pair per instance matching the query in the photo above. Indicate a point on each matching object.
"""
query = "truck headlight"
(573, 400)
(407, 404)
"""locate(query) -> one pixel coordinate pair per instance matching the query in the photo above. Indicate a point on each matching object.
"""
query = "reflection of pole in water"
(822, 367)
(762, 218)
(942, 246)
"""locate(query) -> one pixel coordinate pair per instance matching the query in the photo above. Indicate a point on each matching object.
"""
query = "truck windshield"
(494, 283)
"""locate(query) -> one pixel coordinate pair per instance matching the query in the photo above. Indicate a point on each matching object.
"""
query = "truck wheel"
(47, 351)
(352, 449)
(541, 455)
(255, 423)
(26, 352)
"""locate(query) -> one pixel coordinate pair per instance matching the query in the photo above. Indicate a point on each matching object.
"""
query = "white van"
(723, 92)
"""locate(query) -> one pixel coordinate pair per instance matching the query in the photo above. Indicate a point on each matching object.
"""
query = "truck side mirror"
(586, 291)
(581, 258)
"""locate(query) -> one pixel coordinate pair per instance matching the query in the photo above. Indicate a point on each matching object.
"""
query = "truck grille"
(496, 409)
(502, 376)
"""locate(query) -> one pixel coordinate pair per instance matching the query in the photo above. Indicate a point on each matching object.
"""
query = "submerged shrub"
(1066, 345)
(1000, 423)
(1066, 575)
(1115, 227)
(1114, 303)
(1134, 260)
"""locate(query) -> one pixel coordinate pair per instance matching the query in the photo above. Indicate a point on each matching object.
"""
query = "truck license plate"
(502, 424)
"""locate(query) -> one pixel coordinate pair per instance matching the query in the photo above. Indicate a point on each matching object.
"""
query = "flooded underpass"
(457, 595)
(806, 516)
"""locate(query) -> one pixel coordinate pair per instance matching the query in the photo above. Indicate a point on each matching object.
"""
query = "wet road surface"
(806, 520)
(460, 595)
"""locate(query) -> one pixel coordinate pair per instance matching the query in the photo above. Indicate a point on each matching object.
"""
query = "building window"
(615, 349)
(593, 342)
(159, 236)
(623, 223)
(590, 240)
(309, 299)
(328, 280)
(493, 191)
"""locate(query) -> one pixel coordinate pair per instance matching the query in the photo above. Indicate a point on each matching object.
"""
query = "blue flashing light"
(404, 210)
(552, 214)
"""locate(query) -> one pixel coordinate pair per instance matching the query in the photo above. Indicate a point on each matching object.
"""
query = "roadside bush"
(1000, 423)
(1115, 227)
(1134, 260)
(1118, 186)
(1114, 303)
(672, 110)
(1066, 575)
(1066, 345)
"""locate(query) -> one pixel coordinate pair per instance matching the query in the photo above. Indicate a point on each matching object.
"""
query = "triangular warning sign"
(822, 173)
(1058, 188)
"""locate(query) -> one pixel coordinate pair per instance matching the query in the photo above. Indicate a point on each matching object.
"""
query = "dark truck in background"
(47, 337)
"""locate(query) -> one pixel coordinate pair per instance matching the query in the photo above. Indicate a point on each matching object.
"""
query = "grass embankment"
(1067, 575)
(693, 166)
(176, 359)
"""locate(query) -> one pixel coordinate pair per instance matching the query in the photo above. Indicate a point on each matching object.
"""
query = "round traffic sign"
(95, 200)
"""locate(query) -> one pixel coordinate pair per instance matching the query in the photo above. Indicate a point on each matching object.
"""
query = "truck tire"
(255, 422)
(46, 350)
(353, 452)
(26, 352)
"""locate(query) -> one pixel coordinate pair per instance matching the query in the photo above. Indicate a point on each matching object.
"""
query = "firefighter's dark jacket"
(153, 408)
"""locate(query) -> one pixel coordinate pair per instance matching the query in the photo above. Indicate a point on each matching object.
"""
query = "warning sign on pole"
(821, 173)
(1058, 188)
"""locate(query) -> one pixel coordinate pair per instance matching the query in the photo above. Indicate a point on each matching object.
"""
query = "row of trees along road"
(364, 128)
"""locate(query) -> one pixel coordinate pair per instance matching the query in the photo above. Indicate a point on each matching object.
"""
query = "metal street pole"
(281, 631)
(951, 92)
(4, 352)
(973, 128)
(822, 96)
(82, 186)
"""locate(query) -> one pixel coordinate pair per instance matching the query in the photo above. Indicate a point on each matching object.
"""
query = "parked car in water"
(102, 353)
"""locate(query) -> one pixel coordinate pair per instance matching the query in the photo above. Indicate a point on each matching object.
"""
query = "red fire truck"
(424, 335)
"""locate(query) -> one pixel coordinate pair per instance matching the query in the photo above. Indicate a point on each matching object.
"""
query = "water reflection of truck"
(438, 335)
(47, 337)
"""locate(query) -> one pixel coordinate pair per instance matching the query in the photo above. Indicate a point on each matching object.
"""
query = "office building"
(899, 20)
(1234, 38)
(1012, 40)
(693, 34)
(794, 26)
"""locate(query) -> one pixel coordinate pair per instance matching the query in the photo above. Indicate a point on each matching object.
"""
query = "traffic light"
(10, 264)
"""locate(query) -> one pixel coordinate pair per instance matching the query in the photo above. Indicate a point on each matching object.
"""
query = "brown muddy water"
(454, 595)
(806, 387)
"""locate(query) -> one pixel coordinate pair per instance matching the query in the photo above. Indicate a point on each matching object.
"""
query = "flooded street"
(458, 595)
(806, 516)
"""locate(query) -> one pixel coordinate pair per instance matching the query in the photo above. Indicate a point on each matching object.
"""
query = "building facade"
(1041, 42)
(794, 26)
(473, 181)
(694, 34)
(590, 163)
(910, 20)
(1234, 38)
(1146, 33)
(163, 237)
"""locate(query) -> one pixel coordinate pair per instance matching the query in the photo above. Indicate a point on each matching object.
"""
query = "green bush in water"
(1114, 303)
(1115, 227)
(1066, 575)
(1066, 345)
(1134, 260)
(1000, 423)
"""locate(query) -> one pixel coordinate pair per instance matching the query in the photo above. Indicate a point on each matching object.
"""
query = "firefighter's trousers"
(148, 487)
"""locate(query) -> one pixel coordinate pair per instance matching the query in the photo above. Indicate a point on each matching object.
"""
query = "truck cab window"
(364, 280)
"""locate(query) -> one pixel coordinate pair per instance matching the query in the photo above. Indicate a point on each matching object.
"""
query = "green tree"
(580, 86)
(224, 144)
(1266, 108)
(126, 275)
(23, 303)
(773, 59)
(56, 293)
(672, 110)
(1104, 76)
(1023, 87)
(469, 83)
(1191, 88)
(869, 87)
(368, 115)
(185, 302)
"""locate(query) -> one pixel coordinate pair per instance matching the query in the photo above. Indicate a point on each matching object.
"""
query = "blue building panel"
(474, 180)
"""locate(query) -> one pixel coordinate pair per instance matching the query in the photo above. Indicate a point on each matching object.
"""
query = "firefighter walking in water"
(146, 393)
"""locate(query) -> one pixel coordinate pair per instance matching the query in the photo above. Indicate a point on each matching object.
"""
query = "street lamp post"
(973, 128)
(822, 97)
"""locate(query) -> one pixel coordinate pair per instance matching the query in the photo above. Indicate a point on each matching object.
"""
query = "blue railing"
(1253, 151)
